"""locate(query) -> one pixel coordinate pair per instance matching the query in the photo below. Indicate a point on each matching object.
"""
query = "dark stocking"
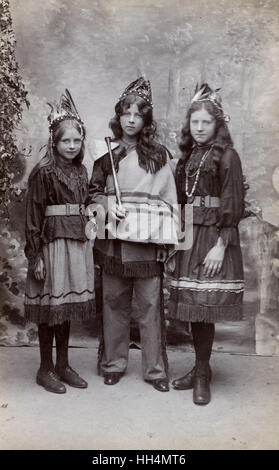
(46, 334)
(62, 333)
(203, 336)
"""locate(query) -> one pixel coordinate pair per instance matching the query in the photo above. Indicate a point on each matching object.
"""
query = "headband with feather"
(141, 88)
(65, 109)
(205, 93)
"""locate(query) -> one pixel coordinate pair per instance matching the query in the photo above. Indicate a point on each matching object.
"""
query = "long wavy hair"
(222, 134)
(58, 131)
(152, 155)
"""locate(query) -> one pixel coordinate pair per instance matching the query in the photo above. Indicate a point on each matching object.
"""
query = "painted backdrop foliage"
(12, 164)
(96, 47)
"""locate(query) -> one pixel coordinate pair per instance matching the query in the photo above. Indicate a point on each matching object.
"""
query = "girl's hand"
(162, 254)
(39, 270)
(214, 259)
(117, 212)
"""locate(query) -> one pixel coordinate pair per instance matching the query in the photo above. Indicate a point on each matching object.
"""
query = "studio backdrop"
(95, 48)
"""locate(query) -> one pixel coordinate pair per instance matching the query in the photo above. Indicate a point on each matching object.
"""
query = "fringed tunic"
(130, 265)
(151, 192)
(193, 296)
(67, 291)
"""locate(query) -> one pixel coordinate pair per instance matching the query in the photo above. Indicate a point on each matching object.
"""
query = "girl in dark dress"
(207, 283)
(60, 279)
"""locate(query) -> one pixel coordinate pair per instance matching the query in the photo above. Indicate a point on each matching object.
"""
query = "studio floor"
(242, 415)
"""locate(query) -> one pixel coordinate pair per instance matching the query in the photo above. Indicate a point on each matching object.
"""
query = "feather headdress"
(65, 109)
(141, 88)
(205, 93)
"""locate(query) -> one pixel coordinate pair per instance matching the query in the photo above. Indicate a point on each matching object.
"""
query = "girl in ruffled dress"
(60, 280)
(207, 283)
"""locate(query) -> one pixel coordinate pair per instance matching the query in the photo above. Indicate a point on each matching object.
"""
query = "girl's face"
(70, 143)
(131, 121)
(202, 126)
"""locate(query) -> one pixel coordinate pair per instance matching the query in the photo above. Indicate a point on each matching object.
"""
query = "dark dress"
(67, 292)
(193, 296)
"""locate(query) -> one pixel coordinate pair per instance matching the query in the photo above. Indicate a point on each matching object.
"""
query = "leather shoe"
(112, 378)
(162, 385)
(201, 392)
(71, 377)
(50, 381)
(187, 381)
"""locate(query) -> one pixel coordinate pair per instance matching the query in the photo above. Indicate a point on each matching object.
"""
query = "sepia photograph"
(139, 220)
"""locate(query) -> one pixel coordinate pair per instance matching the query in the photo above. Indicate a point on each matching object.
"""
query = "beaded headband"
(206, 94)
(141, 88)
(64, 110)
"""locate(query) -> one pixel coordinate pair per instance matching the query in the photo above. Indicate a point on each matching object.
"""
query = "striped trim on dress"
(216, 285)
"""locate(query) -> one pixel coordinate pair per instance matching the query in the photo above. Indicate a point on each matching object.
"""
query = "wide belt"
(204, 201)
(65, 209)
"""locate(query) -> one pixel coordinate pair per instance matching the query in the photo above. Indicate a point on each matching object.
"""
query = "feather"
(198, 95)
(65, 108)
(69, 96)
(51, 106)
(140, 87)
(197, 88)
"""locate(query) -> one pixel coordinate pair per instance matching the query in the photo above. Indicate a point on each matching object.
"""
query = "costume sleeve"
(168, 194)
(168, 190)
(231, 195)
(36, 202)
(97, 185)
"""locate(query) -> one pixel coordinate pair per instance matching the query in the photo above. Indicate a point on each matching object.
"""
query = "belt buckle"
(202, 201)
(68, 208)
(80, 209)
(190, 200)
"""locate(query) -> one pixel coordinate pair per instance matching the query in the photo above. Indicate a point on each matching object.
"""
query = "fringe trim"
(209, 314)
(117, 157)
(133, 269)
(55, 315)
(99, 313)
(144, 161)
(150, 165)
(101, 350)
(195, 159)
(72, 182)
(163, 328)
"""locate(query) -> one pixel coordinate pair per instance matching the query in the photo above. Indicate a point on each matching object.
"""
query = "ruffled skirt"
(67, 292)
(194, 297)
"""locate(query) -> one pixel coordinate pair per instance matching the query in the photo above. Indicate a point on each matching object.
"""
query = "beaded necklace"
(197, 174)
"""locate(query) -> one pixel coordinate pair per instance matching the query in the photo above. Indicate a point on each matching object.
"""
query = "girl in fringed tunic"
(133, 261)
(207, 283)
(60, 280)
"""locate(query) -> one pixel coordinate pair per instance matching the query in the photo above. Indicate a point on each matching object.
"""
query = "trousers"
(117, 310)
